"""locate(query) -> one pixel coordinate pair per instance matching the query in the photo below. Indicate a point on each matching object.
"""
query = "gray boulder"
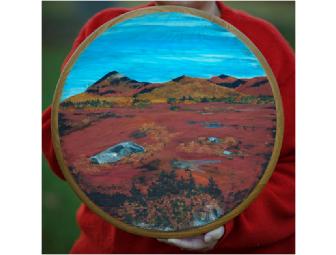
(116, 153)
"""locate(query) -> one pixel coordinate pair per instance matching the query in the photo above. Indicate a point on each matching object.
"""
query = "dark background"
(61, 22)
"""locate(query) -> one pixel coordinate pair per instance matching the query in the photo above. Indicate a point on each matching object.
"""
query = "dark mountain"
(256, 86)
(114, 83)
(227, 81)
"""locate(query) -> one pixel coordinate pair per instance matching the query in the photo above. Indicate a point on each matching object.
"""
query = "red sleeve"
(96, 21)
(268, 224)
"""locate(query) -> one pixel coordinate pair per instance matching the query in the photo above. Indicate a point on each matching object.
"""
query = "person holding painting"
(268, 224)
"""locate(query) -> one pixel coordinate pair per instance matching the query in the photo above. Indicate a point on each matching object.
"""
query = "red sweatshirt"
(268, 224)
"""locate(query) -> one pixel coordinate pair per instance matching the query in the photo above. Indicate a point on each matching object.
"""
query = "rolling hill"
(256, 86)
(116, 89)
(115, 84)
(185, 87)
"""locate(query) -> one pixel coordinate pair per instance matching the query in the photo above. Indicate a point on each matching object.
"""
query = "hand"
(199, 243)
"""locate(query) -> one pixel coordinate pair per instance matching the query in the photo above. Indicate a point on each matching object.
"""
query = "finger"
(196, 243)
(214, 235)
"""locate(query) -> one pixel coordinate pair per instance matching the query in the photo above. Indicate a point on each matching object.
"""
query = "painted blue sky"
(160, 47)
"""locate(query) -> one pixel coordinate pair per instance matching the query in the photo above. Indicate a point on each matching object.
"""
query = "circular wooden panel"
(167, 122)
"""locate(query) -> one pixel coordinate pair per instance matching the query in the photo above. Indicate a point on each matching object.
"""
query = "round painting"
(167, 122)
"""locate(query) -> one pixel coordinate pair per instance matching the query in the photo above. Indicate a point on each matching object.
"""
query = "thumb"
(214, 235)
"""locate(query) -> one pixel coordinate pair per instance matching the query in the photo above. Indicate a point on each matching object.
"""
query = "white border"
(20, 136)
(20, 189)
